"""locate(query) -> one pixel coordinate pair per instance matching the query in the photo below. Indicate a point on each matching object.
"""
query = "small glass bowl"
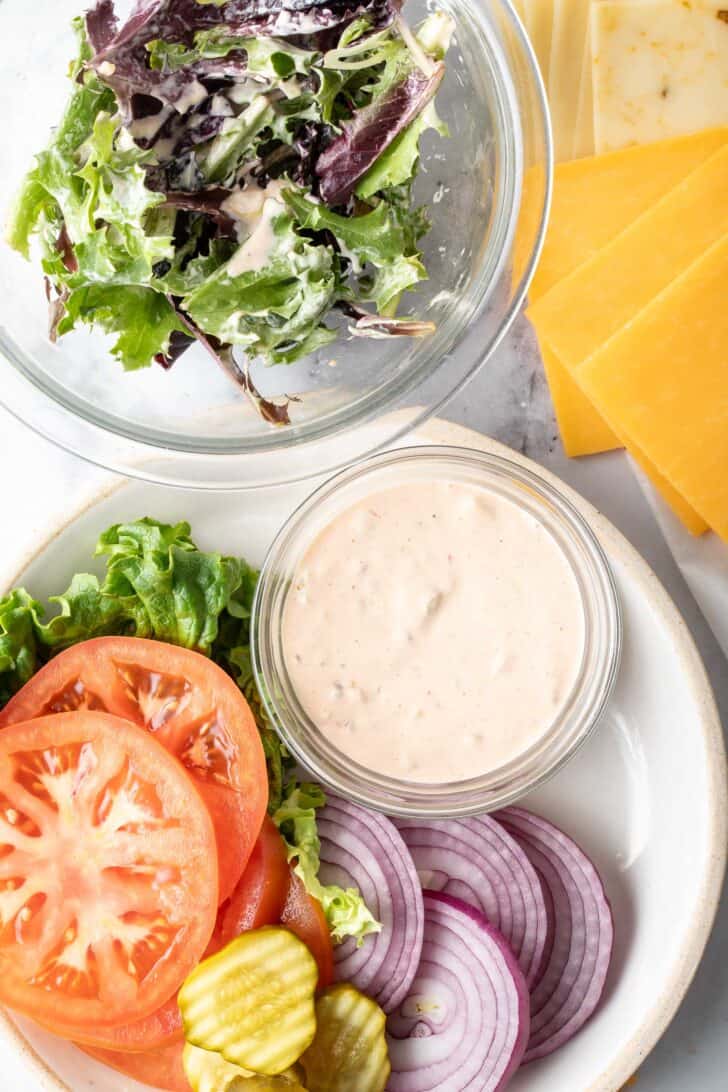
(591, 690)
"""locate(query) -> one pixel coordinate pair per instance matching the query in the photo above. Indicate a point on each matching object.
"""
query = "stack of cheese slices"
(630, 297)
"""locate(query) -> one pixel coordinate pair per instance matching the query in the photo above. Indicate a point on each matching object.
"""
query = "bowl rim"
(708, 724)
(95, 437)
(589, 695)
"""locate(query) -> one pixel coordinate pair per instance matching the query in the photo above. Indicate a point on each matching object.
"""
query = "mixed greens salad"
(234, 171)
(157, 584)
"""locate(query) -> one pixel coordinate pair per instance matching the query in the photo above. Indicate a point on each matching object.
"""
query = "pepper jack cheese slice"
(664, 378)
(660, 69)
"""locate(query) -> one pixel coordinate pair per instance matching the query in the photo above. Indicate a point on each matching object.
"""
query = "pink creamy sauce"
(433, 631)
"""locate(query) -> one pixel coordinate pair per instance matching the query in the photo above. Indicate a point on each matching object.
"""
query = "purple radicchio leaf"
(121, 60)
(101, 25)
(207, 201)
(179, 342)
(370, 131)
(275, 413)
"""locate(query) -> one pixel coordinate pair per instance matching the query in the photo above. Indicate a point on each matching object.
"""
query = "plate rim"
(685, 965)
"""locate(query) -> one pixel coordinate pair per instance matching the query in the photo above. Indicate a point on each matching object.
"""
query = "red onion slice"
(361, 848)
(477, 861)
(464, 1024)
(577, 961)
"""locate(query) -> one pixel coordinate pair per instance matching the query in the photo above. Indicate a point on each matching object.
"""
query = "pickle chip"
(252, 1002)
(207, 1071)
(349, 1053)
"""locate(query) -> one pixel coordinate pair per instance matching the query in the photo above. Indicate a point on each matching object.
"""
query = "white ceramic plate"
(645, 796)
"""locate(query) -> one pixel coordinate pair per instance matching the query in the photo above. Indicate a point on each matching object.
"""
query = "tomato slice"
(160, 1030)
(161, 1068)
(261, 893)
(108, 875)
(191, 707)
(305, 917)
(257, 900)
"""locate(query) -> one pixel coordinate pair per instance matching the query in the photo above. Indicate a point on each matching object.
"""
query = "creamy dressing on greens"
(255, 210)
(433, 631)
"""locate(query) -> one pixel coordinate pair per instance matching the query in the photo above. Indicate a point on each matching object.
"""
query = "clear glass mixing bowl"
(488, 189)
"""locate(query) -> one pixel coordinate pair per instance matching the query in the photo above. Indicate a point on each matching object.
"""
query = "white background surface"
(40, 486)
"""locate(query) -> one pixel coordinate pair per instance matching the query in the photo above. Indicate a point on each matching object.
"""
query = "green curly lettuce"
(346, 912)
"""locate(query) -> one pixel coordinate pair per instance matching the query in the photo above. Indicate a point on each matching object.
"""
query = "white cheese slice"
(569, 31)
(660, 69)
(584, 125)
(539, 21)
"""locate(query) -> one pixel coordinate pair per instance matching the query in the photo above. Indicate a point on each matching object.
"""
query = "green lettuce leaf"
(374, 237)
(275, 308)
(18, 642)
(398, 163)
(270, 57)
(383, 237)
(52, 183)
(169, 589)
(391, 280)
(143, 319)
(345, 910)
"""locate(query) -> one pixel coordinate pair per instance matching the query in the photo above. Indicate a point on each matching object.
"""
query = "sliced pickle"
(207, 1071)
(253, 1001)
(349, 1053)
(286, 1082)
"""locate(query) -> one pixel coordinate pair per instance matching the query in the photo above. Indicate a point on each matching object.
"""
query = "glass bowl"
(191, 426)
(584, 705)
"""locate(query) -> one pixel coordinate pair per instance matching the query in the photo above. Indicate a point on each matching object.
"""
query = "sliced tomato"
(158, 1031)
(108, 871)
(190, 706)
(161, 1068)
(261, 893)
(305, 917)
(257, 900)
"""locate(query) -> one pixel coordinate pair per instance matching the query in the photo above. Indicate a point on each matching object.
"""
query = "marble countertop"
(508, 400)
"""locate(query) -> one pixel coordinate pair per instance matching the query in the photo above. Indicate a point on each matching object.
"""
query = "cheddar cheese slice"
(583, 429)
(605, 292)
(664, 378)
(593, 201)
(660, 69)
(596, 198)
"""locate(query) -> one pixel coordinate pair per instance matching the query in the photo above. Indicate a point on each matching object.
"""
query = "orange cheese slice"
(605, 292)
(609, 289)
(594, 200)
(664, 378)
